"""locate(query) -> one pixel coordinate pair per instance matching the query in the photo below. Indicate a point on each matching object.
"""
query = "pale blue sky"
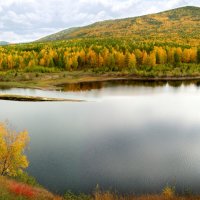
(27, 20)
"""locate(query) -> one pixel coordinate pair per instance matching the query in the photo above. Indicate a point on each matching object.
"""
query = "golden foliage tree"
(132, 61)
(12, 147)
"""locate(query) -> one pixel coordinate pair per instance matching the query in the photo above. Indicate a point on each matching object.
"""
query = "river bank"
(53, 81)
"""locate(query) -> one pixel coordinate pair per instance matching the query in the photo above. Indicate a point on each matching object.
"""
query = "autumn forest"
(103, 55)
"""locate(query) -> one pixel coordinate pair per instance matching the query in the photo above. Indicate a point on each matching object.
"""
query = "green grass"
(41, 69)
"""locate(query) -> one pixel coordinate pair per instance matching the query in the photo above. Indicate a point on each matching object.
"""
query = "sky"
(28, 20)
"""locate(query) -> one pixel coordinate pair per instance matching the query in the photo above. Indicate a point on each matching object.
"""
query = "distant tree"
(120, 60)
(126, 59)
(170, 55)
(132, 61)
(42, 62)
(145, 58)
(68, 64)
(10, 61)
(61, 62)
(193, 55)
(31, 63)
(74, 63)
(177, 59)
(161, 55)
(110, 62)
(139, 56)
(51, 63)
(12, 147)
(92, 59)
(186, 56)
(198, 56)
(152, 59)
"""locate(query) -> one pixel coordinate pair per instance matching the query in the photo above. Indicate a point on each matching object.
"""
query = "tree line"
(97, 56)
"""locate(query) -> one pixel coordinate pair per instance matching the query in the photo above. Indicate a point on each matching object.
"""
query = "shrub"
(169, 192)
(71, 196)
(23, 177)
(21, 190)
(13, 144)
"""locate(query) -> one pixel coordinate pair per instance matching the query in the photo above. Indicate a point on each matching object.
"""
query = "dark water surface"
(129, 136)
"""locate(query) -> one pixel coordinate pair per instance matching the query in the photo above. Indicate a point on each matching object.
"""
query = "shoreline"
(9, 97)
(53, 81)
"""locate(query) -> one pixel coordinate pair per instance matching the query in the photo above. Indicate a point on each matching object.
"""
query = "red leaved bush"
(21, 190)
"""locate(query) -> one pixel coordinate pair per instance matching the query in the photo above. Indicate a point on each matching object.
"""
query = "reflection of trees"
(87, 86)
(185, 83)
(138, 83)
(175, 83)
(84, 86)
(4, 87)
(198, 83)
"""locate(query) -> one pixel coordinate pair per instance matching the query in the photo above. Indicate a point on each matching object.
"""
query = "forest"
(103, 55)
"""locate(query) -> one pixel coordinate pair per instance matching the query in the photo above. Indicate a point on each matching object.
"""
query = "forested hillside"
(180, 25)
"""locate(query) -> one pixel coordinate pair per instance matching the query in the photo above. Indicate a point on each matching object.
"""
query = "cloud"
(27, 20)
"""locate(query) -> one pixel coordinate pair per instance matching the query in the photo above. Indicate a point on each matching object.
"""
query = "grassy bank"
(12, 189)
(49, 78)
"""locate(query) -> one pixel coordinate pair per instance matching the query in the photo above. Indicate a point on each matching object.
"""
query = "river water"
(133, 137)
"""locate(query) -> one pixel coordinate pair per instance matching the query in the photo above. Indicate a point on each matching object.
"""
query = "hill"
(3, 43)
(177, 25)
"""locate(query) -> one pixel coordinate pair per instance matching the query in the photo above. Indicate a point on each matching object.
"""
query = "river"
(132, 137)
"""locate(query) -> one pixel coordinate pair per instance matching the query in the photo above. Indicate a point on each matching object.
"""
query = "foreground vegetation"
(12, 189)
(16, 184)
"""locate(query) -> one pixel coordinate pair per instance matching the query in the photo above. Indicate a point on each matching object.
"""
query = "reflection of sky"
(109, 92)
(139, 141)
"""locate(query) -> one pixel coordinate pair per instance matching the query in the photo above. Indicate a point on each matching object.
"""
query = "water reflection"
(88, 86)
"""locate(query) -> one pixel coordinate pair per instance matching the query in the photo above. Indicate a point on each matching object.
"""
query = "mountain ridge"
(3, 43)
(177, 24)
